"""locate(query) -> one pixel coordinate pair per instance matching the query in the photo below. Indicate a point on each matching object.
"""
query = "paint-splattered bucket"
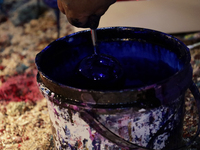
(145, 113)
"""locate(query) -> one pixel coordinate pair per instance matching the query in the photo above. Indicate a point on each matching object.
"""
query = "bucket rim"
(109, 91)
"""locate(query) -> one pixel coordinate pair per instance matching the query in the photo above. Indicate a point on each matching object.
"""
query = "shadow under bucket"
(145, 112)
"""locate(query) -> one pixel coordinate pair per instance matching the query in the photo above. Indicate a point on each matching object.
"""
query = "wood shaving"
(25, 126)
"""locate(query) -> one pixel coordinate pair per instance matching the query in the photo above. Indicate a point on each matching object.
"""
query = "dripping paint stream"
(94, 40)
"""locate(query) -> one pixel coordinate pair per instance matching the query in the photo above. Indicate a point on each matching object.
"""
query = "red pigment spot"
(26, 138)
(1, 130)
(21, 57)
(21, 87)
(19, 145)
(2, 79)
(2, 67)
(79, 144)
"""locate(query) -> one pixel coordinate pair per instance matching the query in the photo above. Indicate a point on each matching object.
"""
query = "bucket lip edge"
(78, 101)
(154, 85)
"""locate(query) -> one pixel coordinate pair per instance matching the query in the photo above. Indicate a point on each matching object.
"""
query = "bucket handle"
(196, 94)
(105, 132)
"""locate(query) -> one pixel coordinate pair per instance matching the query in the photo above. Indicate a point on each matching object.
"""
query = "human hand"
(84, 13)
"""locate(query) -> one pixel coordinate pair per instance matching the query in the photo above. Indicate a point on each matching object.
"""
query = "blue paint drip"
(1, 3)
(51, 3)
(96, 144)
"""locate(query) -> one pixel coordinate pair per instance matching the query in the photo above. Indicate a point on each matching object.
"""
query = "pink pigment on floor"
(21, 87)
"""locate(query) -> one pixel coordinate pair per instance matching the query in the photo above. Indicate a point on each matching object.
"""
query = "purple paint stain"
(67, 131)
(91, 135)
(97, 144)
(56, 112)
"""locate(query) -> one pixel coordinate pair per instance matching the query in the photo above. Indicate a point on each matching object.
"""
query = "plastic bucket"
(145, 112)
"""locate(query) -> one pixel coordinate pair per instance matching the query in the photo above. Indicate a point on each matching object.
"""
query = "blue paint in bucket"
(144, 110)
